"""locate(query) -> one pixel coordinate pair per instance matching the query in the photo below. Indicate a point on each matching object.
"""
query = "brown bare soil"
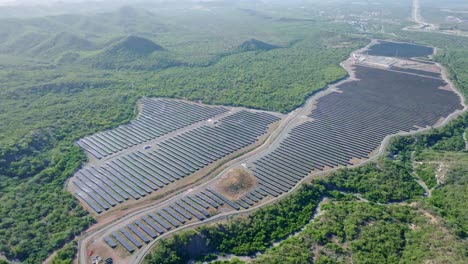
(418, 127)
(356, 161)
(236, 183)
(107, 252)
(374, 152)
(446, 88)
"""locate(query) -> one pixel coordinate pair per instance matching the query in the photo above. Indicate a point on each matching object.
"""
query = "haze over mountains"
(128, 37)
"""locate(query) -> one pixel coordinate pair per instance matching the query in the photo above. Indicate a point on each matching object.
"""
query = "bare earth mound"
(236, 183)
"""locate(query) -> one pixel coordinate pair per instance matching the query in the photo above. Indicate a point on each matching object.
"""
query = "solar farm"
(403, 50)
(194, 207)
(138, 173)
(349, 125)
(343, 126)
(157, 118)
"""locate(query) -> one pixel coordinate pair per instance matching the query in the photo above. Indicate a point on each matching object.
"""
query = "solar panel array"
(353, 123)
(158, 117)
(138, 174)
(194, 207)
(402, 50)
(344, 126)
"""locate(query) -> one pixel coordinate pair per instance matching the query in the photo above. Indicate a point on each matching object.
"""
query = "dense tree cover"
(382, 228)
(255, 45)
(374, 233)
(384, 182)
(448, 138)
(427, 172)
(277, 80)
(66, 254)
(38, 215)
(450, 199)
(435, 147)
(360, 232)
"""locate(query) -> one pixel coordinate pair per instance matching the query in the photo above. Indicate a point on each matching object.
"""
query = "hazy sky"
(15, 2)
(35, 2)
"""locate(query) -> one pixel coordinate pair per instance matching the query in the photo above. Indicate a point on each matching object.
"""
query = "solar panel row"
(344, 126)
(352, 124)
(138, 174)
(173, 215)
(157, 117)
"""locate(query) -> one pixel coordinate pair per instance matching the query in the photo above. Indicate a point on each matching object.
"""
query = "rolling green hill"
(23, 43)
(256, 45)
(133, 46)
(61, 42)
(132, 52)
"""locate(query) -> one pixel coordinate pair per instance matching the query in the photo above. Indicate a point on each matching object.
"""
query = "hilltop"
(133, 46)
(132, 52)
(37, 44)
(256, 45)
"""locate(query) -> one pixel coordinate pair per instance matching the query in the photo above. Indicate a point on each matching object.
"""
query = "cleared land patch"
(236, 182)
